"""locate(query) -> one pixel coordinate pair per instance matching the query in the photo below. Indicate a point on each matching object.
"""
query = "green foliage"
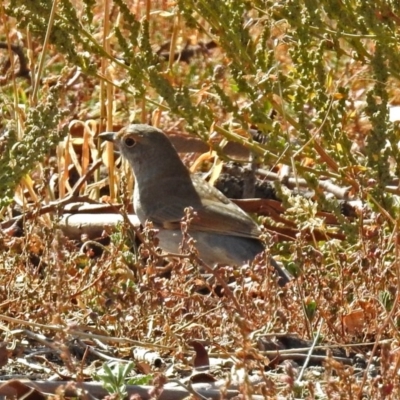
(310, 309)
(41, 134)
(67, 34)
(114, 377)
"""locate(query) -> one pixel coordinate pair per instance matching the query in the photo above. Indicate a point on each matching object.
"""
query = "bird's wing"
(214, 213)
(220, 215)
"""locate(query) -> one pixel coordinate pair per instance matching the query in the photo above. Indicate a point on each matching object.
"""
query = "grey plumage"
(224, 233)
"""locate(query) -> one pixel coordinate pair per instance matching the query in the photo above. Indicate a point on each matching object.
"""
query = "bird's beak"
(109, 136)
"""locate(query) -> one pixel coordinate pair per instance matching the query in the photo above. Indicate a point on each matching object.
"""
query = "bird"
(164, 188)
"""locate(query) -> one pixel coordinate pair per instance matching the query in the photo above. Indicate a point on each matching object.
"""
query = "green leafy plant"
(115, 377)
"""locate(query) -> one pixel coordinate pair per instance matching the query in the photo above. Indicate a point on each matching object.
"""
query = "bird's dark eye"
(130, 142)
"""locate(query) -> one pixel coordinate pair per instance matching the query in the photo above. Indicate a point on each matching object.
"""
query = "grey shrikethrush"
(164, 187)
